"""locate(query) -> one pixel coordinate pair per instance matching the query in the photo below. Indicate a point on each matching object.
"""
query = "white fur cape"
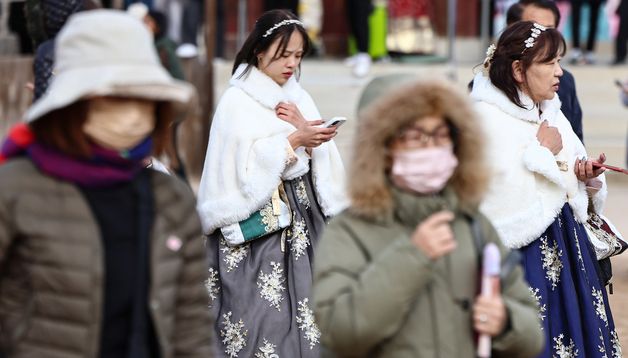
(527, 189)
(248, 150)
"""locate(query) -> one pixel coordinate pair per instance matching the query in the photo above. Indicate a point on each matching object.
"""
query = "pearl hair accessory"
(490, 51)
(534, 33)
(280, 24)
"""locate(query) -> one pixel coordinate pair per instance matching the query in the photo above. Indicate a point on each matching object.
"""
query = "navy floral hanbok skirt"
(574, 312)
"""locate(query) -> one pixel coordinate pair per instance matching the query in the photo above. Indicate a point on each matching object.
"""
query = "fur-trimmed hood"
(370, 190)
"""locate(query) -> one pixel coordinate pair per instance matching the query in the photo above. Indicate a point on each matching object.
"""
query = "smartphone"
(334, 122)
(597, 165)
(619, 84)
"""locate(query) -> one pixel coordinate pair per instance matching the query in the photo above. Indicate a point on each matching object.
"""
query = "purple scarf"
(106, 167)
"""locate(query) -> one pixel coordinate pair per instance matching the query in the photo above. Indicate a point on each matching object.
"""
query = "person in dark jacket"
(44, 20)
(622, 35)
(101, 256)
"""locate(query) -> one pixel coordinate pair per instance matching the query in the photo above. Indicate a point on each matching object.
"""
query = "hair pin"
(535, 32)
(280, 24)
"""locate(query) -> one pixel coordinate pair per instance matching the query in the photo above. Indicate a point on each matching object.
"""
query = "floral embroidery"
(307, 324)
(299, 240)
(600, 310)
(563, 351)
(602, 348)
(234, 255)
(232, 335)
(270, 221)
(575, 233)
(302, 194)
(271, 285)
(211, 284)
(267, 350)
(616, 345)
(542, 308)
(551, 261)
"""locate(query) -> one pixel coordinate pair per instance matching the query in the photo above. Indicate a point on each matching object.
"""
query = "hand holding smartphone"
(334, 122)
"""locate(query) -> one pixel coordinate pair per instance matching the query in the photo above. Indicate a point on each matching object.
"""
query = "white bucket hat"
(107, 53)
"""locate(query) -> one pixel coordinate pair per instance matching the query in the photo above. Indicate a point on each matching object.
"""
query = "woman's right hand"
(550, 138)
(310, 135)
(434, 236)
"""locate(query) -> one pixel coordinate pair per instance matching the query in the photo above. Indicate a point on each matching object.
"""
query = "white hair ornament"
(280, 24)
(535, 32)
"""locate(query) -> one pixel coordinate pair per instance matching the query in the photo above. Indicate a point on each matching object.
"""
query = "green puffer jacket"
(51, 269)
(377, 295)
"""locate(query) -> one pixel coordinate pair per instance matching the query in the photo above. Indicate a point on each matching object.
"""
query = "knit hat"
(45, 18)
(43, 65)
(106, 53)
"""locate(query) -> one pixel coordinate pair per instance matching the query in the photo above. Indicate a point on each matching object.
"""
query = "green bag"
(274, 216)
(378, 28)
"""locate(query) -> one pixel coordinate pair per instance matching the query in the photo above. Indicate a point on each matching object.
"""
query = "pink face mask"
(423, 170)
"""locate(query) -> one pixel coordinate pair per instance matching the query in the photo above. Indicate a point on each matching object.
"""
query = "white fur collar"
(485, 91)
(263, 89)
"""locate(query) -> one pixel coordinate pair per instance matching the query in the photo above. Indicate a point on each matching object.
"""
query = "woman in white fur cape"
(270, 166)
(541, 187)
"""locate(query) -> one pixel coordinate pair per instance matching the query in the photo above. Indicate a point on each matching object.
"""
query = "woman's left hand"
(584, 168)
(290, 113)
(489, 315)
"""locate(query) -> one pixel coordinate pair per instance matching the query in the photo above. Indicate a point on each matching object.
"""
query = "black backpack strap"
(508, 263)
(478, 238)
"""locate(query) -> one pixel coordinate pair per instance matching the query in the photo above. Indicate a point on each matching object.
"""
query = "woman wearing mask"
(396, 274)
(541, 187)
(272, 170)
(101, 257)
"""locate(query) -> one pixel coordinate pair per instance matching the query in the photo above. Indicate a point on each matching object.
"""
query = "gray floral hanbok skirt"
(260, 292)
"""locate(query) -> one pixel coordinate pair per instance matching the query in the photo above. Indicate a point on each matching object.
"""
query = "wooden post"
(210, 46)
(193, 133)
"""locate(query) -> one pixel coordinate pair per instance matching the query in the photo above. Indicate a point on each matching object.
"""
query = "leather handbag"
(604, 236)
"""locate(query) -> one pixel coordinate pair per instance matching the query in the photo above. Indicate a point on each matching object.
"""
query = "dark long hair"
(256, 43)
(511, 47)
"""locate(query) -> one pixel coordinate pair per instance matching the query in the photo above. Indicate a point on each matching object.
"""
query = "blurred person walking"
(157, 23)
(397, 273)
(191, 22)
(578, 54)
(44, 20)
(358, 12)
(541, 188)
(546, 13)
(272, 177)
(292, 5)
(102, 257)
(622, 35)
